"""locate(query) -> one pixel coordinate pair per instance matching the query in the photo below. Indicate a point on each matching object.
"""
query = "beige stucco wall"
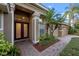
(56, 32)
(8, 26)
(60, 32)
(63, 31)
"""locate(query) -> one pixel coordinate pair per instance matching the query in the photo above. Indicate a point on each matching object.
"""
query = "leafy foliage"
(6, 48)
(77, 26)
(14, 51)
(46, 39)
(53, 19)
(72, 30)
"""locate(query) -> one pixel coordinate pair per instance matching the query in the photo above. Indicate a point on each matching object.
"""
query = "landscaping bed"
(72, 49)
(41, 47)
(45, 41)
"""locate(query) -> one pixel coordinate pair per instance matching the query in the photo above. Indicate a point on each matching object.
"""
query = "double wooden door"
(21, 30)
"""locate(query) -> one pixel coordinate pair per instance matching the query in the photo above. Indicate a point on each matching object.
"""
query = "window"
(42, 29)
(21, 18)
(1, 22)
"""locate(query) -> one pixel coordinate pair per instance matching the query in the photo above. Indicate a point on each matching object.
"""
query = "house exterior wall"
(63, 31)
(8, 26)
(60, 32)
(35, 24)
(6, 21)
(56, 32)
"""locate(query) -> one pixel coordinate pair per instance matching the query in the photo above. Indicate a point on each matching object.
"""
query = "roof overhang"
(17, 7)
(3, 8)
(39, 5)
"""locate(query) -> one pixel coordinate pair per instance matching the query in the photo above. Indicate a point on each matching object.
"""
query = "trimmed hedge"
(6, 48)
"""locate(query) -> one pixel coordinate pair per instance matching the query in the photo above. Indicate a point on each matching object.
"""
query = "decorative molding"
(10, 7)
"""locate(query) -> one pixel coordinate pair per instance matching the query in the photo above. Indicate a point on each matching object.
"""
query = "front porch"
(26, 24)
(22, 22)
(27, 48)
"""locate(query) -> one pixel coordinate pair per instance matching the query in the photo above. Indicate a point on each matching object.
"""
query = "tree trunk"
(51, 29)
(47, 28)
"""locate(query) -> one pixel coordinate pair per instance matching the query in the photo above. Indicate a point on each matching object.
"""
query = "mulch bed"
(41, 48)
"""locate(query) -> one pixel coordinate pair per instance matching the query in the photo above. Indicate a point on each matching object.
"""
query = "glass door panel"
(25, 30)
(18, 30)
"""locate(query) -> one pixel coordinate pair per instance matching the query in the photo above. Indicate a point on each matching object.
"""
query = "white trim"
(2, 20)
(12, 7)
(39, 4)
(35, 30)
(12, 27)
(36, 23)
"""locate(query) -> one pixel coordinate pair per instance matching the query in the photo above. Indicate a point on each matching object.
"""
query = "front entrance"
(22, 30)
(21, 25)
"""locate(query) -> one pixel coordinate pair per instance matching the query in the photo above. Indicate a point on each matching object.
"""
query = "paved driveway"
(28, 50)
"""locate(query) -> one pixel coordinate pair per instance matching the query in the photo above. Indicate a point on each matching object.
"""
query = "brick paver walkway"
(28, 50)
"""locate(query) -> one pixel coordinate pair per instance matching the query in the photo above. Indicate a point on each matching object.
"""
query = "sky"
(59, 7)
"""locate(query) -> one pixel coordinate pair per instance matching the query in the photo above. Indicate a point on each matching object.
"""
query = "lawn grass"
(72, 49)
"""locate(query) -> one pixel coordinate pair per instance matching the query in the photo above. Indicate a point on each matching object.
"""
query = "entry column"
(35, 28)
(11, 11)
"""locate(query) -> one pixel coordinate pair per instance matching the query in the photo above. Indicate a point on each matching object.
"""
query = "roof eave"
(40, 6)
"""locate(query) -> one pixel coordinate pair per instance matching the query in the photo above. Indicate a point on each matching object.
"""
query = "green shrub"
(14, 51)
(72, 30)
(6, 47)
(77, 26)
(46, 39)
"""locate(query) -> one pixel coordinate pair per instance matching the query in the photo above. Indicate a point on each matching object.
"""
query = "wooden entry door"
(21, 30)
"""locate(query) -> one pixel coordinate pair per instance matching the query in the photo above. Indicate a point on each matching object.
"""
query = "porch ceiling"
(24, 9)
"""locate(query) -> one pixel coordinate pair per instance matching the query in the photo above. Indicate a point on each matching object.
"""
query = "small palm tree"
(49, 16)
(57, 22)
(53, 20)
